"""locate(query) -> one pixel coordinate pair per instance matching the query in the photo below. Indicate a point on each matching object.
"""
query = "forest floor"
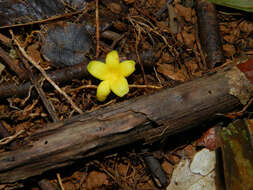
(166, 48)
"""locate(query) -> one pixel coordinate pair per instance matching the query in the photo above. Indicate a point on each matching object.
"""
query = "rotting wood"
(145, 119)
(44, 183)
(209, 33)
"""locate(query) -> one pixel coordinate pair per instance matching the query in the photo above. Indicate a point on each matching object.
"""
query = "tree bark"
(145, 119)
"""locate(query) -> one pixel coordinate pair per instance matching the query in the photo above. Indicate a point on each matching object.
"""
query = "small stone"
(203, 162)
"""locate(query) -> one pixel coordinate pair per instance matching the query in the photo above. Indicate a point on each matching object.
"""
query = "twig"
(61, 75)
(57, 17)
(45, 75)
(97, 29)
(5, 133)
(8, 139)
(233, 115)
(47, 103)
(13, 64)
(130, 86)
(202, 56)
(156, 74)
(137, 37)
(144, 86)
(138, 57)
(60, 181)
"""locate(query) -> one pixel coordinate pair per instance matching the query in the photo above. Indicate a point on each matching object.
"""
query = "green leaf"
(245, 5)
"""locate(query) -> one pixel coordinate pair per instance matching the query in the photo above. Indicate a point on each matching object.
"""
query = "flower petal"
(119, 86)
(112, 59)
(97, 69)
(103, 90)
(127, 67)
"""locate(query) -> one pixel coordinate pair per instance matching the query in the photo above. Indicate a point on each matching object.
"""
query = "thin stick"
(60, 181)
(138, 58)
(44, 20)
(13, 64)
(8, 139)
(89, 86)
(47, 103)
(144, 86)
(45, 75)
(202, 56)
(97, 29)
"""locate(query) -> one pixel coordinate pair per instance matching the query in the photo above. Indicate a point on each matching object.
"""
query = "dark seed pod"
(66, 44)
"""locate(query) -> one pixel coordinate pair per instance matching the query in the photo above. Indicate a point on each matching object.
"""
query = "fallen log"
(145, 119)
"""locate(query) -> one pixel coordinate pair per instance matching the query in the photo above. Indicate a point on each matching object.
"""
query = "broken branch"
(144, 119)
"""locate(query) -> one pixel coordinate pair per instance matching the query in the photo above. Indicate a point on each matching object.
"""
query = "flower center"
(114, 74)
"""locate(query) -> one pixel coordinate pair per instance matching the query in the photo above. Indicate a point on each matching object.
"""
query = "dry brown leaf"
(2, 186)
(246, 26)
(122, 169)
(224, 29)
(167, 58)
(172, 72)
(184, 12)
(208, 139)
(193, 68)
(33, 51)
(250, 43)
(229, 38)
(229, 50)
(167, 167)
(235, 32)
(96, 179)
(115, 7)
(187, 38)
(69, 185)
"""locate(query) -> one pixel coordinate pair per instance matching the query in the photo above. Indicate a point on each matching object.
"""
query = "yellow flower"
(112, 74)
